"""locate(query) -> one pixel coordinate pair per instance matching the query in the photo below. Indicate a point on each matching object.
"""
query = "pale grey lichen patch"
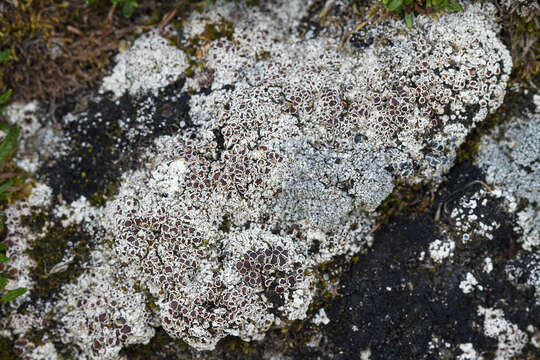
(36, 143)
(439, 250)
(100, 317)
(19, 238)
(321, 318)
(469, 284)
(468, 352)
(510, 158)
(78, 212)
(511, 339)
(471, 220)
(150, 64)
(526, 270)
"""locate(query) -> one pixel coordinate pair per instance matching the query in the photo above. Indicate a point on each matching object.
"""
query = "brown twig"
(110, 15)
(167, 18)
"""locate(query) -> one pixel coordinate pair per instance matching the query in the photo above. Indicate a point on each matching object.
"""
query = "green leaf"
(5, 97)
(454, 5)
(9, 142)
(408, 2)
(4, 258)
(395, 5)
(4, 192)
(428, 3)
(13, 294)
(5, 186)
(129, 8)
(3, 247)
(5, 55)
(1, 225)
(436, 3)
(3, 282)
(409, 20)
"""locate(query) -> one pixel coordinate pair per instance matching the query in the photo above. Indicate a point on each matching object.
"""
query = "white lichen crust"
(99, 317)
(511, 339)
(510, 158)
(150, 64)
(224, 227)
(294, 148)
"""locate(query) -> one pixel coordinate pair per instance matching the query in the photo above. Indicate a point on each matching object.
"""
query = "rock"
(245, 177)
(466, 279)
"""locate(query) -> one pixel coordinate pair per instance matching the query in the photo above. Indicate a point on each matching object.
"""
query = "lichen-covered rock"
(526, 270)
(222, 228)
(443, 295)
(466, 280)
(511, 340)
(225, 224)
(510, 158)
(94, 308)
(150, 64)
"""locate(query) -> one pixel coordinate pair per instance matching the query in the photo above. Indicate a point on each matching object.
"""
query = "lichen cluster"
(510, 159)
(225, 225)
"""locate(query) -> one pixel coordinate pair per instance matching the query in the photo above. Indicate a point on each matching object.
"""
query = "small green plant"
(408, 7)
(7, 147)
(128, 6)
(5, 55)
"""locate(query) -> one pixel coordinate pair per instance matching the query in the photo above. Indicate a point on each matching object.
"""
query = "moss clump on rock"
(6, 349)
(48, 251)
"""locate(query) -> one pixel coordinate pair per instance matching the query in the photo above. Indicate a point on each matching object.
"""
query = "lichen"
(242, 222)
(294, 165)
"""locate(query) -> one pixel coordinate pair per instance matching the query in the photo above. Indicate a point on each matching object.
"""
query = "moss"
(6, 349)
(61, 46)
(35, 336)
(405, 199)
(521, 37)
(50, 249)
(233, 343)
(100, 198)
(21, 188)
(156, 348)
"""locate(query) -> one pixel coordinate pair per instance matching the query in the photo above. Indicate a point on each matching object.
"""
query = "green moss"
(405, 199)
(50, 249)
(233, 343)
(99, 199)
(6, 350)
(154, 348)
